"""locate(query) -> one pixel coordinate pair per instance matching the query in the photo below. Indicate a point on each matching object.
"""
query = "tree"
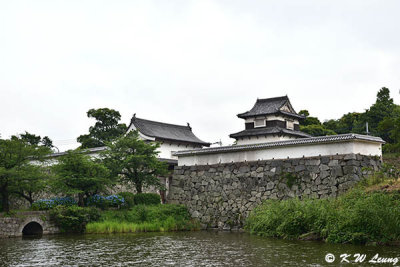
(316, 130)
(77, 174)
(106, 128)
(346, 124)
(35, 140)
(31, 179)
(381, 109)
(308, 120)
(390, 126)
(313, 126)
(135, 161)
(16, 156)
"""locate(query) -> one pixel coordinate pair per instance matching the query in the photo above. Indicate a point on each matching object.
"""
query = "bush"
(129, 199)
(357, 217)
(391, 148)
(147, 199)
(73, 218)
(105, 202)
(46, 204)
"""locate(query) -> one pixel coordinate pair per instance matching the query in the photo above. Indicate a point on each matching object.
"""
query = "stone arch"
(32, 228)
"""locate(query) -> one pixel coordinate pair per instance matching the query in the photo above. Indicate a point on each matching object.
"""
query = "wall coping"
(295, 142)
(259, 162)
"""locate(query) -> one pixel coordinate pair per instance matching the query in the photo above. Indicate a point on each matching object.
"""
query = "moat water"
(202, 248)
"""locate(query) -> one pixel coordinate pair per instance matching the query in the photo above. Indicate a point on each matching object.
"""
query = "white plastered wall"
(296, 151)
(166, 149)
(262, 139)
(269, 118)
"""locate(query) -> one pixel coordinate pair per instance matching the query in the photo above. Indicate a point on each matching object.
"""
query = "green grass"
(156, 218)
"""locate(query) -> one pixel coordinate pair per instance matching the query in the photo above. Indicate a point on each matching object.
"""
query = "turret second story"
(270, 119)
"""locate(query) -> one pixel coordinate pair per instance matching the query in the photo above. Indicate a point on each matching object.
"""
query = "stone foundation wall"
(223, 195)
(12, 226)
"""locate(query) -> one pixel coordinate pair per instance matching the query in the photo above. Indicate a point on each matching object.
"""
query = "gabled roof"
(269, 131)
(166, 131)
(267, 106)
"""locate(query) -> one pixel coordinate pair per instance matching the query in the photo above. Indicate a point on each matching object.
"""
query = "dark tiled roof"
(268, 131)
(166, 131)
(300, 141)
(268, 106)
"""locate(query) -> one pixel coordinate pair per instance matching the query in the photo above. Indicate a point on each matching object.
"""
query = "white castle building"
(270, 119)
(172, 137)
(272, 132)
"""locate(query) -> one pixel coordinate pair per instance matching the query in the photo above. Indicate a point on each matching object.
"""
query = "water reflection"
(173, 249)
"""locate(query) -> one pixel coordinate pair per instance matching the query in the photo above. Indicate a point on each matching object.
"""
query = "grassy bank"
(142, 218)
(360, 216)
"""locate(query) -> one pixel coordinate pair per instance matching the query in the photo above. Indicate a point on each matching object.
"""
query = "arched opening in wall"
(32, 229)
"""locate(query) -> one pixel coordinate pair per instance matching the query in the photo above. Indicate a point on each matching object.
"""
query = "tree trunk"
(138, 188)
(4, 201)
(29, 197)
(81, 203)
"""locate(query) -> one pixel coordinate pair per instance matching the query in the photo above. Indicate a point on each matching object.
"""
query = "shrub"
(105, 202)
(129, 199)
(73, 218)
(356, 217)
(115, 201)
(391, 148)
(147, 199)
(46, 204)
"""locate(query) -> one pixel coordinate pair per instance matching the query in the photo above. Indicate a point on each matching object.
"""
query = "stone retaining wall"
(222, 195)
(12, 226)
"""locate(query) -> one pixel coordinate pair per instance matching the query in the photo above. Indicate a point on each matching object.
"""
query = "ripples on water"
(173, 249)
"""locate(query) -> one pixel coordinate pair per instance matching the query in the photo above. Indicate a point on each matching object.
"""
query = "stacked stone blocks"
(223, 195)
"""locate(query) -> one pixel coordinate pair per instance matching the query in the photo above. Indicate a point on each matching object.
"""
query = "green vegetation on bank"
(141, 218)
(368, 213)
(73, 219)
(122, 213)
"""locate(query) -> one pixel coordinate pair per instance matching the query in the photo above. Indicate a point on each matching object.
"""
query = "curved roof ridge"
(168, 124)
(266, 106)
(273, 98)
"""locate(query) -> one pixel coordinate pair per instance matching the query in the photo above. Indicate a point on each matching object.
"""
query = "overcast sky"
(190, 61)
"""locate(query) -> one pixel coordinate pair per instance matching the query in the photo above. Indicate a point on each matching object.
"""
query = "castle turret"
(270, 119)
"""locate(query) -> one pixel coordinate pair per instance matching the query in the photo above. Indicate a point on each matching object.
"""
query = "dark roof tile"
(166, 131)
(268, 106)
(268, 131)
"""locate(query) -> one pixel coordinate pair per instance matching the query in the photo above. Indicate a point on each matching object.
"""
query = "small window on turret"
(259, 123)
(290, 125)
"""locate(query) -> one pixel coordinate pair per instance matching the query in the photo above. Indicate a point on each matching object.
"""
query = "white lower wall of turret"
(263, 139)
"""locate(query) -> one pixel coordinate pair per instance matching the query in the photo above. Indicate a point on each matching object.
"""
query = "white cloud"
(196, 61)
